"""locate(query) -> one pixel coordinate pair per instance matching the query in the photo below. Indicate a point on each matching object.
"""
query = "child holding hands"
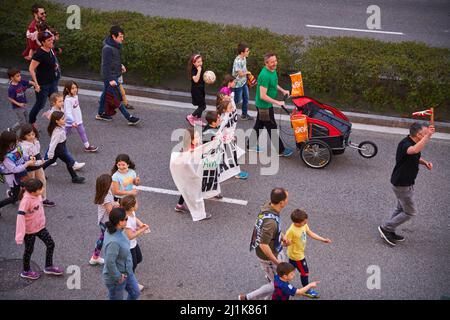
(296, 234)
(134, 229)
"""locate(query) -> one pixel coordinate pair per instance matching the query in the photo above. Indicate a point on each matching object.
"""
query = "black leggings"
(29, 248)
(181, 200)
(61, 152)
(136, 254)
(198, 112)
(14, 196)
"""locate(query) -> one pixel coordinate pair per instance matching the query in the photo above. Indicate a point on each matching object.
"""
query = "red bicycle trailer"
(321, 130)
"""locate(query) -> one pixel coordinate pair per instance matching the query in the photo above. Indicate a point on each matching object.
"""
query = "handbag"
(251, 80)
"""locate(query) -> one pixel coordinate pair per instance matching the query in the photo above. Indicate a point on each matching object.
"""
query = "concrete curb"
(280, 116)
(179, 96)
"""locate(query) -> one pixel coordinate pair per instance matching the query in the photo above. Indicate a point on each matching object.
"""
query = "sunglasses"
(43, 13)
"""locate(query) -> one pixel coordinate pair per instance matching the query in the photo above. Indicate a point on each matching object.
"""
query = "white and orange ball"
(209, 77)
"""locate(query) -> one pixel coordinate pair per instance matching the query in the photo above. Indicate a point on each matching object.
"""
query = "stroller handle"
(285, 98)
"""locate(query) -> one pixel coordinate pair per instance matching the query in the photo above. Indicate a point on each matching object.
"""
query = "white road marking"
(357, 30)
(177, 193)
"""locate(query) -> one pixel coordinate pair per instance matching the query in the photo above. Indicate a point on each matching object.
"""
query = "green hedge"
(362, 74)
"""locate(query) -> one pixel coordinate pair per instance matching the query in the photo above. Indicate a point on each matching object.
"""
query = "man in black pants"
(266, 93)
(408, 158)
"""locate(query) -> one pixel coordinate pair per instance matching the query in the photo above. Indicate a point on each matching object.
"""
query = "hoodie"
(111, 68)
(30, 217)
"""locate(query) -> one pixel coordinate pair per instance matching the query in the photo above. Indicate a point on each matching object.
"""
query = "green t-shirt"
(267, 79)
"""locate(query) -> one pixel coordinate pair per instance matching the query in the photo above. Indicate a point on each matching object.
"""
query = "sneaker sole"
(385, 238)
(93, 150)
(286, 155)
(133, 123)
(311, 297)
(53, 273)
(180, 211)
(102, 119)
(49, 205)
(95, 263)
(29, 278)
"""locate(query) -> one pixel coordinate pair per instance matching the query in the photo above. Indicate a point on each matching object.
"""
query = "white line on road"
(177, 193)
(351, 29)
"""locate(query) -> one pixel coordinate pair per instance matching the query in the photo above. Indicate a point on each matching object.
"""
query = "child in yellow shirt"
(296, 235)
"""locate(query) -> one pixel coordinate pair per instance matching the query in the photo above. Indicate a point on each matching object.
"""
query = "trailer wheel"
(367, 149)
(316, 154)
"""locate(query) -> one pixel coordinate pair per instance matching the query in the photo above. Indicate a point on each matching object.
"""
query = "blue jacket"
(117, 255)
(111, 68)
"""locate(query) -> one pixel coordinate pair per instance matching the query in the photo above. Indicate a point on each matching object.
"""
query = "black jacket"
(111, 68)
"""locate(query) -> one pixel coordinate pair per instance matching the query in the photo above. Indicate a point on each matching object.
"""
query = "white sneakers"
(98, 261)
(141, 287)
(78, 165)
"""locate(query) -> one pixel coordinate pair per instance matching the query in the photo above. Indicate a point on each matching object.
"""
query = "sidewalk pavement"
(181, 99)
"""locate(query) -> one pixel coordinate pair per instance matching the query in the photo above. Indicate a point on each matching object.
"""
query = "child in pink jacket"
(31, 224)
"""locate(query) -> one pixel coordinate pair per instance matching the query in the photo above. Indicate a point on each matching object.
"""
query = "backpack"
(3, 172)
(256, 235)
(17, 158)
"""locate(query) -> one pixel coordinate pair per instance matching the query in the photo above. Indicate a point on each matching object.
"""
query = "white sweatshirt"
(72, 110)
(58, 136)
(31, 148)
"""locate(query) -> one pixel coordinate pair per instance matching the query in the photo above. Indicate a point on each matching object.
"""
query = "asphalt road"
(210, 260)
(418, 20)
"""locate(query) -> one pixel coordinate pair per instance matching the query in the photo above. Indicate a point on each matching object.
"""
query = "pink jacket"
(30, 217)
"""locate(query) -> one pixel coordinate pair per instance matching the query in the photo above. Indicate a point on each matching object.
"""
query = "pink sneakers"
(194, 121)
(181, 208)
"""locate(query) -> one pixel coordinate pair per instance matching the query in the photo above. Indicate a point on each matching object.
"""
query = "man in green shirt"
(266, 93)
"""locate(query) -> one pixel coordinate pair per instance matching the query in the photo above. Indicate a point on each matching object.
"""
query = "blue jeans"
(101, 107)
(241, 94)
(66, 153)
(41, 99)
(130, 284)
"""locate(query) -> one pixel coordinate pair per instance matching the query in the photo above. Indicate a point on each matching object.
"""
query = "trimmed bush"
(361, 74)
(405, 76)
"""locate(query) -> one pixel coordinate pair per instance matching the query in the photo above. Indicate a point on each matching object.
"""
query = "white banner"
(229, 166)
(198, 173)
(195, 174)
